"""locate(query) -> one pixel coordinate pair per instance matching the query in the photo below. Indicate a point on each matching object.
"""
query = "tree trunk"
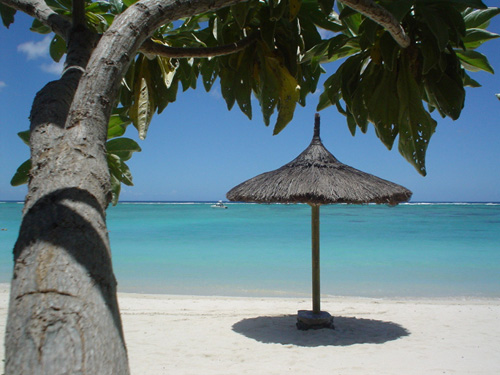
(63, 311)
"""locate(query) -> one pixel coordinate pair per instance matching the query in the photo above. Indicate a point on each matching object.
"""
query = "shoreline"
(185, 334)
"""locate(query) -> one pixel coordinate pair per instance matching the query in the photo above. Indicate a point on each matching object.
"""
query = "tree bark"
(157, 49)
(383, 17)
(63, 310)
(41, 11)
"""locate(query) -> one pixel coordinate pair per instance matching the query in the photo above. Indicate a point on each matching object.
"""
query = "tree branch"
(154, 48)
(41, 11)
(381, 16)
(78, 13)
(99, 86)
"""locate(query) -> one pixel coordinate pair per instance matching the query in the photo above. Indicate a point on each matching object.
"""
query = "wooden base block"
(307, 319)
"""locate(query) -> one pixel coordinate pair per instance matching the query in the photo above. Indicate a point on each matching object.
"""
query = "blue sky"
(198, 150)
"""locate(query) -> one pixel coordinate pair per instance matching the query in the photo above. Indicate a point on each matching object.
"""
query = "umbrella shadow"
(348, 331)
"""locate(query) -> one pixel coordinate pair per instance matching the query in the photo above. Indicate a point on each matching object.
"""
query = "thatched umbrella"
(316, 177)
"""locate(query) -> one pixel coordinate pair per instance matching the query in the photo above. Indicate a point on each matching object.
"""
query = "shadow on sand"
(348, 331)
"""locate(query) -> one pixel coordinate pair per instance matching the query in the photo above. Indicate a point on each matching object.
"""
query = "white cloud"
(40, 49)
(53, 68)
(34, 50)
(215, 93)
(2, 85)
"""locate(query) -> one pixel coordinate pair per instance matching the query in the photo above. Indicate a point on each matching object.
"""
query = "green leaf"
(57, 48)
(358, 109)
(99, 23)
(456, 25)
(326, 6)
(308, 81)
(474, 61)
(116, 187)
(267, 30)
(240, 12)
(436, 24)
(268, 93)
(7, 14)
(294, 9)
(129, 2)
(117, 6)
(108, 18)
(345, 51)
(275, 87)
(142, 110)
(98, 7)
(382, 104)
(119, 173)
(117, 125)
(127, 85)
(58, 5)
(122, 147)
(172, 91)
(468, 81)
(22, 174)
(208, 73)
(187, 74)
(119, 169)
(167, 70)
(389, 50)
(157, 72)
(66, 4)
(387, 133)
(332, 86)
(324, 101)
(416, 126)
(289, 96)
(351, 70)
(309, 12)
(227, 88)
(242, 80)
(243, 93)
(317, 53)
(276, 9)
(399, 9)
(336, 43)
(480, 18)
(448, 92)
(351, 19)
(475, 37)
(469, 3)
(351, 123)
(368, 33)
(40, 28)
(430, 54)
(25, 136)
(346, 11)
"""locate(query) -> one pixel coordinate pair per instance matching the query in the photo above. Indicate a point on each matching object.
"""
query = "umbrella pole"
(315, 258)
(316, 318)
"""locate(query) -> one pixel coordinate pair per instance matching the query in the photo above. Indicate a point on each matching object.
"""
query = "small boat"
(219, 204)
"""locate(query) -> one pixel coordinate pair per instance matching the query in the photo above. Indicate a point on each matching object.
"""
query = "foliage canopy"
(275, 50)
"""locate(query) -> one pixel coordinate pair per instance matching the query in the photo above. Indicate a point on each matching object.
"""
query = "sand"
(169, 334)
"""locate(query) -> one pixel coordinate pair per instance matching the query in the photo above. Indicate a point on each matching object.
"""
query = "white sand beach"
(169, 334)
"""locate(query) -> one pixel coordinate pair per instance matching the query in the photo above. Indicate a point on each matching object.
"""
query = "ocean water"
(412, 250)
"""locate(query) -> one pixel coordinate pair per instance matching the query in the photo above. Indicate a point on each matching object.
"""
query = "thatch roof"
(317, 177)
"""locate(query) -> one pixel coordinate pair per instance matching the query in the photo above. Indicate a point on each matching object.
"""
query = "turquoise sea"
(412, 250)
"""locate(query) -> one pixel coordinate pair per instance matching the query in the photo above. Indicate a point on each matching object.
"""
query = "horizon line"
(226, 201)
